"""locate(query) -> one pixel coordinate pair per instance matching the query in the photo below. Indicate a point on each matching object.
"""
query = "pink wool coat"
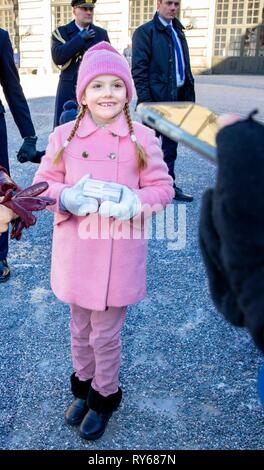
(88, 269)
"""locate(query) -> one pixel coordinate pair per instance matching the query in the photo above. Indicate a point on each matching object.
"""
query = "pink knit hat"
(102, 59)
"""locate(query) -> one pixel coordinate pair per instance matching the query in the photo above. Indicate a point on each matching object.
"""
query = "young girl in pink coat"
(100, 275)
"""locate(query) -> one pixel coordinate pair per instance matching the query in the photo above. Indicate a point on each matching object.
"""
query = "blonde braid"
(142, 157)
(59, 153)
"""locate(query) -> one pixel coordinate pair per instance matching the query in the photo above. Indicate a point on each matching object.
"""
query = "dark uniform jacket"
(12, 89)
(153, 63)
(74, 49)
(232, 228)
(17, 103)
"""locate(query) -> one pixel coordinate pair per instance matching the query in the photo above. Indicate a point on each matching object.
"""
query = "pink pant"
(96, 346)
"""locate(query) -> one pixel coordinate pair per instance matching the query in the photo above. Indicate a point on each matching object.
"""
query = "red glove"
(22, 202)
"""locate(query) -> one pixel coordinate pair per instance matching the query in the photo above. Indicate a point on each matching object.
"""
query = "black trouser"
(3, 162)
(66, 91)
(169, 148)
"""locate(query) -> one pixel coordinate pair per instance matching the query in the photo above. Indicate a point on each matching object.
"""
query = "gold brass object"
(189, 123)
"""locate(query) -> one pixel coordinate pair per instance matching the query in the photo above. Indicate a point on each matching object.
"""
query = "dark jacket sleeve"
(12, 89)
(106, 38)
(221, 291)
(141, 57)
(237, 215)
(61, 53)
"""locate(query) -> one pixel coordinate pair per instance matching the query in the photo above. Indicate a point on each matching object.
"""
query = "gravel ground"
(189, 378)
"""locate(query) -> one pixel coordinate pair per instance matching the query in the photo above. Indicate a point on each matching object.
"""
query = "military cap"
(83, 3)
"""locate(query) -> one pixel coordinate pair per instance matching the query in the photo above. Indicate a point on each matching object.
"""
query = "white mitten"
(128, 207)
(73, 200)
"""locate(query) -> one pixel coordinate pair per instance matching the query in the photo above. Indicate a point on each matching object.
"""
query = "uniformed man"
(69, 43)
(17, 103)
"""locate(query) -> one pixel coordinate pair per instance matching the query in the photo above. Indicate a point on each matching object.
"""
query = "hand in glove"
(22, 202)
(38, 156)
(6, 215)
(87, 34)
(128, 207)
(28, 151)
(73, 200)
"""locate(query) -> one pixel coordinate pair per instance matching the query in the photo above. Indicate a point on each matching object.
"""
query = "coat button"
(112, 156)
(85, 154)
(114, 134)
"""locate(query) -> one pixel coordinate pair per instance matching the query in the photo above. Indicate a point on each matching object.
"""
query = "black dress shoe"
(76, 412)
(181, 196)
(4, 270)
(94, 424)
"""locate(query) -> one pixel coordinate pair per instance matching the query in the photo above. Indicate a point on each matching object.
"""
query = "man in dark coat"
(161, 69)
(232, 227)
(69, 43)
(17, 103)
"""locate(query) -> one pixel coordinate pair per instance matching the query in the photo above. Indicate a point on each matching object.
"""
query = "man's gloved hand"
(87, 34)
(72, 199)
(28, 151)
(128, 207)
(38, 157)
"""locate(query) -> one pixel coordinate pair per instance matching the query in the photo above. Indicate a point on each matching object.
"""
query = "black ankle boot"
(79, 407)
(100, 411)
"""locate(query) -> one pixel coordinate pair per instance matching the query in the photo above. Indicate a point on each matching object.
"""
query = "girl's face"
(105, 97)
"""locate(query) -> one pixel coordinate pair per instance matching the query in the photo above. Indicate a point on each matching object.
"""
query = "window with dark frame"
(237, 28)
